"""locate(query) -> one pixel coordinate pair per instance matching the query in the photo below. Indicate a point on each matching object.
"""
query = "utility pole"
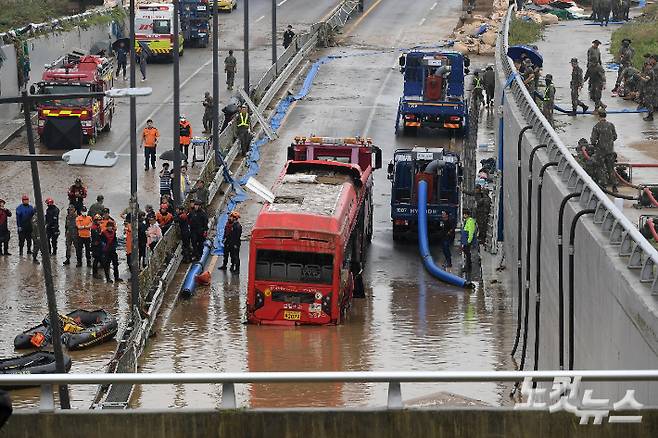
(274, 32)
(215, 81)
(246, 47)
(134, 204)
(64, 401)
(177, 151)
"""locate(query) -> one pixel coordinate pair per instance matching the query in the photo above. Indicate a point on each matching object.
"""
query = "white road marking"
(422, 21)
(281, 2)
(260, 18)
(384, 85)
(433, 6)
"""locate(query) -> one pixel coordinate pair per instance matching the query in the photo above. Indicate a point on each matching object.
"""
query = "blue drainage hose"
(423, 244)
(216, 248)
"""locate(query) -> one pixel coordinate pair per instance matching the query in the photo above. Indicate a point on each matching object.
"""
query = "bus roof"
(316, 198)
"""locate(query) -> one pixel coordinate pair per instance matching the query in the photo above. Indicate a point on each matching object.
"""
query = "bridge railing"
(394, 379)
(618, 229)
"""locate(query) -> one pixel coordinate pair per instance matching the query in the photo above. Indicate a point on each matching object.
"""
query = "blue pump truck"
(194, 18)
(441, 170)
(433, 94)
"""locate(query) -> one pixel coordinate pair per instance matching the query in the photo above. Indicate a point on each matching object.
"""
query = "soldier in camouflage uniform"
(548, 102)
(630, 83)
(650, 81)
(576, 84)
(596, 8)
(529, 76)
(603, 142)
(626, 54)
(584, 154)
(593, 58)
(604, 11)
(625, 8)
(596, 77)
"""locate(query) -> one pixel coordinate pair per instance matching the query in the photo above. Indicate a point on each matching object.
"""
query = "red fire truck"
(64, 123)
(308, 247)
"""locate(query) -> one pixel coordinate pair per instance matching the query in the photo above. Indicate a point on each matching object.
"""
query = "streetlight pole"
(64, 401)
(246, 47)
(177, 151)
(134, 204)
(274, 32)
(215, 80)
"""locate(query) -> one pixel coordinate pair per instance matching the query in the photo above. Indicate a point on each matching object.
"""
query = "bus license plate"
(291, 315)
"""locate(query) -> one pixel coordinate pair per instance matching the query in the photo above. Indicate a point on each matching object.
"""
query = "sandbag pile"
(478, 34)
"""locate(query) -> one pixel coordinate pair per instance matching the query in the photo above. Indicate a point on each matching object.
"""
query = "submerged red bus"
(308, 247)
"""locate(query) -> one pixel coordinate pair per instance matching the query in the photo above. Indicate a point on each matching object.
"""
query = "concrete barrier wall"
(43, 50)
(453, 423)
(616, 323)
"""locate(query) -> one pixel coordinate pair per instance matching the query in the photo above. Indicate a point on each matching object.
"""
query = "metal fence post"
(47, 402)
(228, 396)
(394, 395)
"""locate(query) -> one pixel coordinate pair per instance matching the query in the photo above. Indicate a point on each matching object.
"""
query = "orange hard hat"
(235, 214)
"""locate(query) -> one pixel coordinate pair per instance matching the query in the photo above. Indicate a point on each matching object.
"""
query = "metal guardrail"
(619, 230)
(166, 257)
(393, 378)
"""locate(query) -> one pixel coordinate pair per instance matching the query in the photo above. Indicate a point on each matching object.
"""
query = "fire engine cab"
(64, 123)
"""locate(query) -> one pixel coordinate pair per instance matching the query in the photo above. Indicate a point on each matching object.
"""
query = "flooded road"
(22, 292)
(408, 320)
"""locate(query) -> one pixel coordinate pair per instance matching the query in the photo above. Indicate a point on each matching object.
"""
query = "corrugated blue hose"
(423, 243)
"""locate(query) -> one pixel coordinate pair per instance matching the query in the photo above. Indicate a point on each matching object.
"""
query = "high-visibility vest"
(478, 82)
(548, 88)
(244, 119)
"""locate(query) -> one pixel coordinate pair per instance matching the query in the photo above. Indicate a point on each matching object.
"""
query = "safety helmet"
(164, 206)
(49, 201)
(97, 217)
(235, 214)
(182, 117)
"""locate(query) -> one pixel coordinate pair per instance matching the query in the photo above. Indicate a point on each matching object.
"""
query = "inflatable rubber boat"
(39, 362)
(80, 328)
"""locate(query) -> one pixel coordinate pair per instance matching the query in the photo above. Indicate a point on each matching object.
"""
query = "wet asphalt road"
(22, 293)
(637, 139)
(409, 321)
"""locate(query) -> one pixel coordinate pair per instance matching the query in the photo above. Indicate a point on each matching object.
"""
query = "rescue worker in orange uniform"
(185, 135)
(149, 142)
(83, 222)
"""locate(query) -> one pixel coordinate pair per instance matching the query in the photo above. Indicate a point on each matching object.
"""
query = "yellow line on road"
(361, 18)
(356, 23)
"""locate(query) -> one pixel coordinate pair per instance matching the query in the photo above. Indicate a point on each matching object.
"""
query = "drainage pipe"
(538, 263)
(519, 232)
(527, 260)
(189, 284)
(560, 270)
(572, 320)
(423, 244)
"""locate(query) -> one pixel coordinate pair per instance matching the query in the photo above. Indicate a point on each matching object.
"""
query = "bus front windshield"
(66, 89)
(294, 267)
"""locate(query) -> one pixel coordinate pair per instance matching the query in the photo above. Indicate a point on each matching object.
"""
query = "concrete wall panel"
(616, 326)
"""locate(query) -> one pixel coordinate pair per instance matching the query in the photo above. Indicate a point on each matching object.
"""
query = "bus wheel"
(359, 289)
